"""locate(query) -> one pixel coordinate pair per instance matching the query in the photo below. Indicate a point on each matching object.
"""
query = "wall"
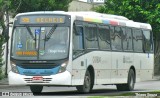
(82, 6)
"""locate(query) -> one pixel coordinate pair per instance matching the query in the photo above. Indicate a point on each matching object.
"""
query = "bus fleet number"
(96, 59)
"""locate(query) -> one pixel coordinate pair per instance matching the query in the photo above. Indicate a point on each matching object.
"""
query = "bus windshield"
(40, 43)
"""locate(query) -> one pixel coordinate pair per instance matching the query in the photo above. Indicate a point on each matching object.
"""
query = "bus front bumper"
(58, 79)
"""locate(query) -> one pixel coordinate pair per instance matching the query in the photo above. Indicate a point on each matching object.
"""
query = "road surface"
(98, 90)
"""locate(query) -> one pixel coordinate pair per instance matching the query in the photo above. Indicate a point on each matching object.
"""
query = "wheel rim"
(132, 81)
(87, 82)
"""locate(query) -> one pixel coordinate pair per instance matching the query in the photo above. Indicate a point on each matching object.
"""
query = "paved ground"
(99, 90)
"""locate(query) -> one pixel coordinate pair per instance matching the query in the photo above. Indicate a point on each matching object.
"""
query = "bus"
(79, 49)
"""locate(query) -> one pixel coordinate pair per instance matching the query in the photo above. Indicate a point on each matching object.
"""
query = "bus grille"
(45, 80)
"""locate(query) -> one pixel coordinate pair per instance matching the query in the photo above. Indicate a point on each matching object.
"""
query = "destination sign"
(41, 19)
(26, 53)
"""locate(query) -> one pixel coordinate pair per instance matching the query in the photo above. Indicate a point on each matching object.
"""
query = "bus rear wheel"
(36, 89)
(129, 86)
(87, 85)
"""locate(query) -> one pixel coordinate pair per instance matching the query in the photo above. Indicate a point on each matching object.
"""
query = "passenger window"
(137, 40)
(104, 38)
(116, 38)
(91, 37)
(127, 39)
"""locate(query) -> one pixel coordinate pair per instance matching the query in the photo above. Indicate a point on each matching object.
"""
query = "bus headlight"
(63, 67)
(14, 67)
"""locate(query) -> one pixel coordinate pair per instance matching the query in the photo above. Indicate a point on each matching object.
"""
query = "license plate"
(37, 79)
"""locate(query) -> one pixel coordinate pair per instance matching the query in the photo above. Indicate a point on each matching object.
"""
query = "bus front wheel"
(36, 88)
(129, 86)
(87, 85)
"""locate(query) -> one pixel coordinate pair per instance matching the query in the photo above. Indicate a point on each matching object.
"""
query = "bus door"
(78, 52)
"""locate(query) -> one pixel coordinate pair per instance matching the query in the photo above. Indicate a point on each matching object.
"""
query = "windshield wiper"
(48, 36)
(30, 32)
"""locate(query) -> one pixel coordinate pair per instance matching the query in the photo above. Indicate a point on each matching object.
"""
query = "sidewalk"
(156, 77)
(4, 82)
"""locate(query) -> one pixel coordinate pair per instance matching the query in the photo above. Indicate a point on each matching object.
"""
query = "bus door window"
(78, 44)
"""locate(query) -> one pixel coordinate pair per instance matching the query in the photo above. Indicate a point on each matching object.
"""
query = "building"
(84, 5)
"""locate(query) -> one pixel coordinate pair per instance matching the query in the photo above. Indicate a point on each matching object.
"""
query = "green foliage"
(1, 74)
(38, 5)
(3, 6)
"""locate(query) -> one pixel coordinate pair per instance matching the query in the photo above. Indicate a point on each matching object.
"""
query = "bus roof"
(96, 17)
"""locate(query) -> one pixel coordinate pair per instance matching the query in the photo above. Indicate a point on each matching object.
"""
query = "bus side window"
(104, 37)
(127, 39)
(137, 40)
(147, 43)
(116, 38)
(91, 37)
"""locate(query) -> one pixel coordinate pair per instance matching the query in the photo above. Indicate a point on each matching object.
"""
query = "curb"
(8, 86)
(156, 77)
(5, 84)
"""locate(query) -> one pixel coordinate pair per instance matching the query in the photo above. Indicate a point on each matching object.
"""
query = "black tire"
(35, 89)
(88, 85)
(129, 86)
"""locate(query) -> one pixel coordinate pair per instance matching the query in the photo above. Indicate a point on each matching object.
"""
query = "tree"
(147, 11)
(3, 25)
(38, 5)
(4, 4)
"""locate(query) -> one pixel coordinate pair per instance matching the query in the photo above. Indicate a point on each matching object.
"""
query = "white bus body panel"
(143, 63)
(113, 67)
(120, 67)
(101, 62)
(58, 79)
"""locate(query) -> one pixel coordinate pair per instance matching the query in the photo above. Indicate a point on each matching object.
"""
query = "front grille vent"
(45, 80)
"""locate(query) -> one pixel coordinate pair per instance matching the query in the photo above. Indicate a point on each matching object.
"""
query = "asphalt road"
(98, 90)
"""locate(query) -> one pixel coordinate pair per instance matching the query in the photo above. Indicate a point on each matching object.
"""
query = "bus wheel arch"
(129, 86)
(35, 89)
(88, 81)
